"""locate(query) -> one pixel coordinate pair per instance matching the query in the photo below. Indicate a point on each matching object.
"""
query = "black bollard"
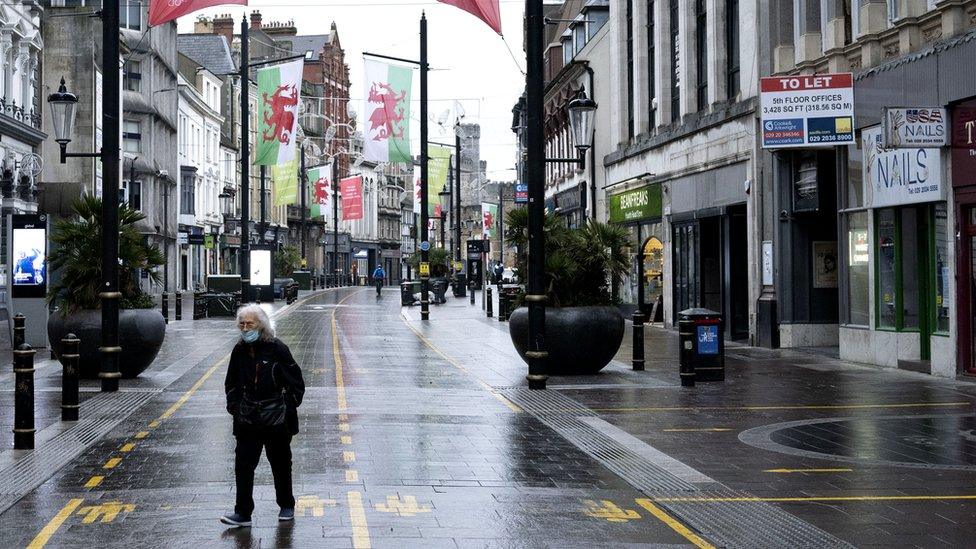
(488, 301)
(165, 305)
(179, 305)
(686, 352)
(24, 397)
(20, 330)
(69, 377)
(502, 307)
(471, 291)
(638, 340)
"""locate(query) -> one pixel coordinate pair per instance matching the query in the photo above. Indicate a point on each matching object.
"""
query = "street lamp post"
(445, 199)
(63, 106)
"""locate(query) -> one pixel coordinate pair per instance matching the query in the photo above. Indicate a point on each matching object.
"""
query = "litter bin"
(438, 286)
(407, 291)
(701, 346)
(460, 285)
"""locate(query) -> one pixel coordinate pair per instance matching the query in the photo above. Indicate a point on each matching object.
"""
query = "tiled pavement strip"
(417, 435)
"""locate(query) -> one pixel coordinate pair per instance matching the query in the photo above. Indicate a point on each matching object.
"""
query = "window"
(893, 13)
(858, 262)
(597, 18)
(651, 66)
(186, 194)
(567, 51)
(675, 63)
(630, 68)
(701, 57)
(579, 37)
(130, 14)
(907, 267)
(131, 136)
(887, 269)
(134, 189)
(732, 48)
(942, 269)
(132, 76)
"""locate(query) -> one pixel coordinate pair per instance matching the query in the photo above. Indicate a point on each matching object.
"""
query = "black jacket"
(260, 370)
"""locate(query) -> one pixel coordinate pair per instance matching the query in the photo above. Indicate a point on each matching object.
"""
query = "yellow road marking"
(352, 475)
(107, 511)
(674, 524)
(111, 463)
(491, 390)
(345, 439)
(348, 456)
(127, 447)
(786, 407)
(343, 427)
(343, 417)
(94, 481)
(609, 511)
(54, 524)
(357, 516)
(703, 430)
(816, 499)
(142, 434)
(839, 470)
(337, 356)
(189, 393)
(154, 423)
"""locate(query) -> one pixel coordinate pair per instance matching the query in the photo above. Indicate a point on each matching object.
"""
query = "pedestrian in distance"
(264, 388)
(378, 275)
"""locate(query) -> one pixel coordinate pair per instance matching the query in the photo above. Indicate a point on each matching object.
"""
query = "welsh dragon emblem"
(322, 191)
(279, 116)
(389, 116)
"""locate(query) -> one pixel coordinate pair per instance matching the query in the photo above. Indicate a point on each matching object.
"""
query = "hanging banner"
(320, 186)
(489, 219)
(387, 128)
(284, 181)
(486, 10)
(438, 166)
(417, 191)
(808, 110)
(164, 11)
(352, 198)
(279, 93)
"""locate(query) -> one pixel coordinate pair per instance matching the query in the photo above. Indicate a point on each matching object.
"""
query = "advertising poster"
(29, 256)
(810, 110)
(521, 193)
(825, 264)
(352, 198)
(260, 267)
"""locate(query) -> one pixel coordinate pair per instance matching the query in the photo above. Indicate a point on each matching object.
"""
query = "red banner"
(486, 10)
(352, 198)
(164, 11)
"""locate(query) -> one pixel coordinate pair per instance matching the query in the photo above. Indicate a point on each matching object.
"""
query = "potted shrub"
(584, 326)
(76, 258)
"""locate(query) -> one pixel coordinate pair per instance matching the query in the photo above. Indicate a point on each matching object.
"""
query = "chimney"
(256, 20)
(203, 25)
(223, 25)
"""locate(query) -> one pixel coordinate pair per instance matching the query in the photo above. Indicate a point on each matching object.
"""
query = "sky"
(469, 62)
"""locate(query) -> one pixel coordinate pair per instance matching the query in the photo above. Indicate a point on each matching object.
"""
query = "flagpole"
(302, 184)
(245, 259)
(537, 353)
(109, 295)
(335, 218)
(424, 236)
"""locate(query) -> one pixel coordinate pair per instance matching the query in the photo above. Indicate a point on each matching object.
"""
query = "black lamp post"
(63, 106)
(445, 198)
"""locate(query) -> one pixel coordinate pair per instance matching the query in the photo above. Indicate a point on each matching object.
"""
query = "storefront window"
(942, 272)
(887, 269)
(909, 260)
(857, 269)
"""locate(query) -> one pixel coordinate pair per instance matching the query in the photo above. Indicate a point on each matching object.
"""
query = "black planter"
(580, 340)
(141, 333)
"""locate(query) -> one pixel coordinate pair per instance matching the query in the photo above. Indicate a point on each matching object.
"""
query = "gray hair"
(261, 316)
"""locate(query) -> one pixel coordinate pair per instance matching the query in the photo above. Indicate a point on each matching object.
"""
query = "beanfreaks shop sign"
(964, 144)
(636, 205)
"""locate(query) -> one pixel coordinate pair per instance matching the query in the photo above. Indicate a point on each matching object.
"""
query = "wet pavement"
(422, 434)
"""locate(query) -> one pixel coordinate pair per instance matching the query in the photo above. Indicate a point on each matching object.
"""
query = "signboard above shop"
(900, 176)
(639, 204)
(964, 144)
(807, 110)
(914, 127)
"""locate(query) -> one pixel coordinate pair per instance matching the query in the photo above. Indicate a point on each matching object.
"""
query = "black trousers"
(248, 453)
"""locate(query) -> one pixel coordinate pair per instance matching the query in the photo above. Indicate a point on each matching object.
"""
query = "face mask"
(250, 336)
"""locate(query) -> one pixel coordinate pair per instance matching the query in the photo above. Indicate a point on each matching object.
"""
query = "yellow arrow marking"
(54, 524)
(313, 504)
(608, 511)
(408, 507)
(839, 470)
(107, 511)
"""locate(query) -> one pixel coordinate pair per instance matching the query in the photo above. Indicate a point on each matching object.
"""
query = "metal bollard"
(502, 307)
(314, 280)
(638, 340)
(20, 330)
(165, 306)
(488, 301)
(686, 352)
(179, 305)
(69, 377)
(24, 397)
(471, 291)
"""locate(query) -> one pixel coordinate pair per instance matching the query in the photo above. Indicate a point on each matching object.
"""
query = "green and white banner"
(489, 220)
(279, 94)
(387, 112)
(438, 166)
(320, 188)
(284, 181)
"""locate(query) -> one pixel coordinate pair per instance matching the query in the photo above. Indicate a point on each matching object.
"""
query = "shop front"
(571, 206)
(964, 192)
(639, 212)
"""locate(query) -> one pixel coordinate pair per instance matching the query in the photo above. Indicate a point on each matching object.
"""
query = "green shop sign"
(636, 205)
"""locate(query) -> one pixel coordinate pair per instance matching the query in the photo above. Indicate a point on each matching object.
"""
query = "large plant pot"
(580, 340)
(141, 333)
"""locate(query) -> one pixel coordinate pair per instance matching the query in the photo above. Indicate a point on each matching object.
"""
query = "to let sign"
(804, 111)
(636, 205)
(915, 127)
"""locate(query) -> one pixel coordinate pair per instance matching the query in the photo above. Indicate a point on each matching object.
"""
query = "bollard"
(69, 377)
(502, 307)
(686, 352)
(24, 398)
(638, 340)
(165, 305)
(471, 286)
(488, 301)
(314, 280)
(20, 330)
(179, 305)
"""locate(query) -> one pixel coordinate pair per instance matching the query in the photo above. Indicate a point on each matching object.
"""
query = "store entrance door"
(967, 289)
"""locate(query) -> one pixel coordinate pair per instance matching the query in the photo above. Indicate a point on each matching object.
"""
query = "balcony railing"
(29, 117)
